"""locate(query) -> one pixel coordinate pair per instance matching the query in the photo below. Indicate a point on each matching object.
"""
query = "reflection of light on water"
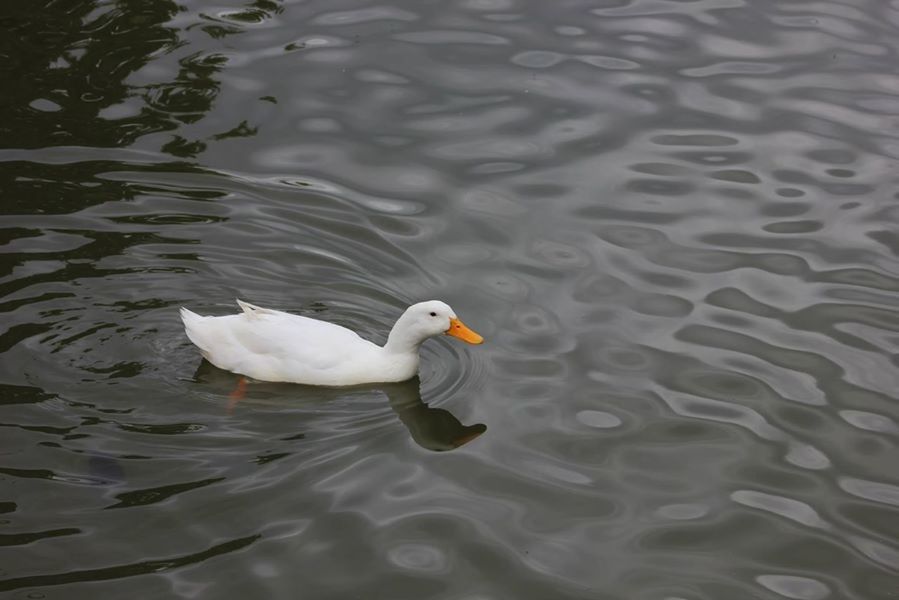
(419, 557)
(788, 508)
(798, 453)
(870, 490)
(791, 586)
(598, 418)
(682, 512)
(869, 421)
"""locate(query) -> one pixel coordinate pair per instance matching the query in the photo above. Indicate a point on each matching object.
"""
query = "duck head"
(427, 319)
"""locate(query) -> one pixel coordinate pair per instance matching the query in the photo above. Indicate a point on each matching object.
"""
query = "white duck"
(271, 345)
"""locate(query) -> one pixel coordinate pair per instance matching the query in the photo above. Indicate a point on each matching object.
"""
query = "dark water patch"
(267, 458)
(162, 428)
(17, 333)
(790, 227)
(160, 494)
(129, 570)
(28, 473)
(18, 394)
(23, 539)
(61, 431)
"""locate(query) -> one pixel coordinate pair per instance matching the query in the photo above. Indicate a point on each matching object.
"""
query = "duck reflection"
(435, 429)
(432, 428)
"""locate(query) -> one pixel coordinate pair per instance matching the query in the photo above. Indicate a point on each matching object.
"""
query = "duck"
(264, 344)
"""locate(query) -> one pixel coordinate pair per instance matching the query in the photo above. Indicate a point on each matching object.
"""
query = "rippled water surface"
(676, 222)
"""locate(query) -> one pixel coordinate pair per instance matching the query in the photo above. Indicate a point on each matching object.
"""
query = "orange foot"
(238, 394)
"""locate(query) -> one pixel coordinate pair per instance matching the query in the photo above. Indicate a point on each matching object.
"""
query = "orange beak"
(458, 329)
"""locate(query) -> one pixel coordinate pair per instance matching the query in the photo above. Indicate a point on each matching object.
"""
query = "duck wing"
(274, 345)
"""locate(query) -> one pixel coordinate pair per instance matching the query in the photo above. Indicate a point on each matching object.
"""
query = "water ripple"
(673, 222)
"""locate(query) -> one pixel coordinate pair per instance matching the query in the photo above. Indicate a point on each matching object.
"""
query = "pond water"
(675, 223)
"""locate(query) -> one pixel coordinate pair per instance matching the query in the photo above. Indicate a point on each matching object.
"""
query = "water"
(674, 222)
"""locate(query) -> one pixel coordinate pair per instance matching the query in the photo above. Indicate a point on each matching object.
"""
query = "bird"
(264, 344)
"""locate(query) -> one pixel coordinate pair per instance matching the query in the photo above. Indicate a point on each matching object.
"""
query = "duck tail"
(191, 322)
(189, 317)
(248, 308)
(253, 311)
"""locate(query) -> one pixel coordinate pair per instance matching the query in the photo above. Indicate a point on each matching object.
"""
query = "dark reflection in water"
(432, 428)
(80, 76)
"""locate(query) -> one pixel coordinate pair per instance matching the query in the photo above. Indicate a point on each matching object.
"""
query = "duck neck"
(402, 340)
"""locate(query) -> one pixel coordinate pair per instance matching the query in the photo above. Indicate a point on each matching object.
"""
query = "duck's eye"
(433, 314)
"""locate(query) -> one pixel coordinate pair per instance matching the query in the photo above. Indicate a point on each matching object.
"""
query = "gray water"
(675, 223)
